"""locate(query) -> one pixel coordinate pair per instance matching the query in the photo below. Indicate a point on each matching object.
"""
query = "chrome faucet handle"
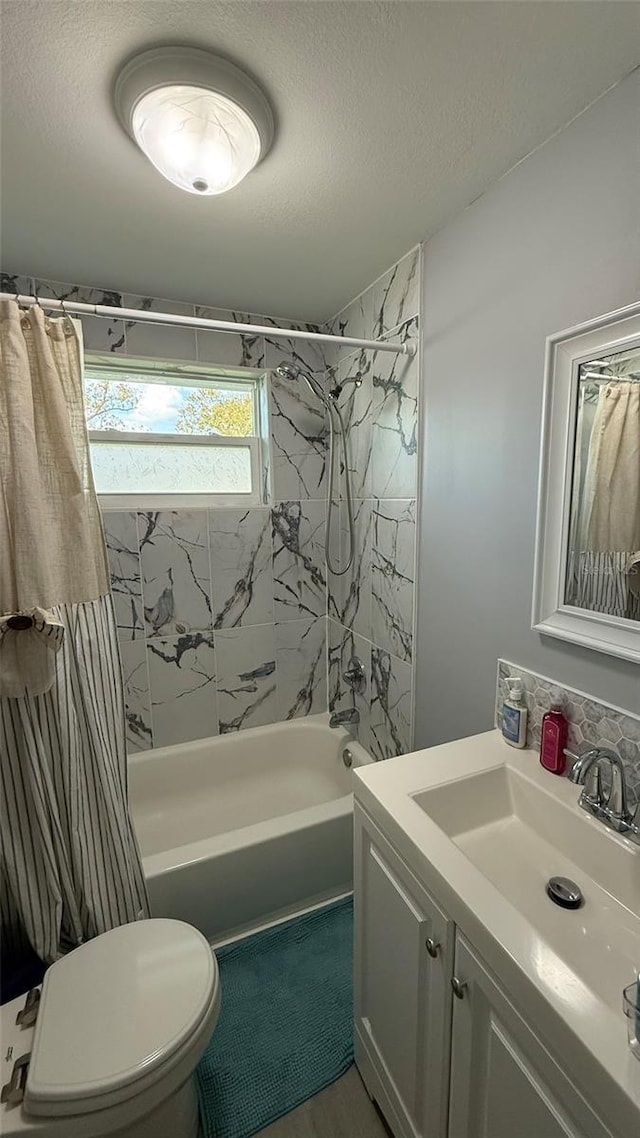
(586, 772)
(575, 755)
(355, 676)
(634, 825)
(593, 788)
(618, 807)
(610, 806)
(581, 762)
(617, 802)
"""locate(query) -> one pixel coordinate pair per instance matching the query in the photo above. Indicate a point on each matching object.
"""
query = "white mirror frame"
(565, 351)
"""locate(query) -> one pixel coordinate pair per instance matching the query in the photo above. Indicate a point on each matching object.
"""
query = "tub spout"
(348, 718)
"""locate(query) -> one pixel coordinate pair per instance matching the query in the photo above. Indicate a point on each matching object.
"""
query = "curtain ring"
(69, 329)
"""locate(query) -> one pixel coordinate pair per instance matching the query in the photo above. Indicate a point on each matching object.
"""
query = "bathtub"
(243, 828)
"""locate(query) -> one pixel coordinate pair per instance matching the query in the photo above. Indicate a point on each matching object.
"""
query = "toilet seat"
(122, 1022)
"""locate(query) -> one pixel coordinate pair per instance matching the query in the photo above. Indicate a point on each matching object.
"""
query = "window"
(162, 431)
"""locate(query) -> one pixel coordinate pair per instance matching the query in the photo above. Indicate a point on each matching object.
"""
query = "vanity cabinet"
(503, 1081)
(439, 1064)
(403, 946)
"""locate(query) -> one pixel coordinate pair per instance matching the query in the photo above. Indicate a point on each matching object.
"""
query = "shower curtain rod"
(110, 312)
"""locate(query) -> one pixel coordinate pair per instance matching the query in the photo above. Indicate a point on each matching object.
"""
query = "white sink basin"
(519, 835)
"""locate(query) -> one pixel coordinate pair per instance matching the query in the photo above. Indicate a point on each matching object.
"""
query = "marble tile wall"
(204, 646)
(229, 618)
(590, 721)
(371, 607)
(221, 613)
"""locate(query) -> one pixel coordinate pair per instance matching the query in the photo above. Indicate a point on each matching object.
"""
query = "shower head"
(288, 370)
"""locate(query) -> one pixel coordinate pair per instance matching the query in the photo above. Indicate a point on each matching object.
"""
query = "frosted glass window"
(170, 468)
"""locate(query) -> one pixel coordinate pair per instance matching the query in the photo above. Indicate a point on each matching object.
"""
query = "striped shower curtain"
(70, 866)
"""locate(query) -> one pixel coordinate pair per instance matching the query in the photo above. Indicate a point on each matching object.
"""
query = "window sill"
(149, 503)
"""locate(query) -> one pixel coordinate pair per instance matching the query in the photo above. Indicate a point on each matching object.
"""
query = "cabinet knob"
(433, 947)
(459, 987)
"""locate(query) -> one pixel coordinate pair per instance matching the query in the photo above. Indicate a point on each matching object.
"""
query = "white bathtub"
(238, 829)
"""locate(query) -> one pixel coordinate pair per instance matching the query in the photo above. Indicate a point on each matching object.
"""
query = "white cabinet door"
(504, 1083)
(403, 960)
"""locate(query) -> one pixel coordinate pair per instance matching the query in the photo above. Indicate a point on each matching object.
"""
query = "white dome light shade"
(199, 140)
(200, 120)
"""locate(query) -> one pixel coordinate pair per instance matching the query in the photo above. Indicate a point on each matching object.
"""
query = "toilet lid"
(115, 1009)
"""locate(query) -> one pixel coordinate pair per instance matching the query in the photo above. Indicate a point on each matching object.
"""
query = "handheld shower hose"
(336, 427)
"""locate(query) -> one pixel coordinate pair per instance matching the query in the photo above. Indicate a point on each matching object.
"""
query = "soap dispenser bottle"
(553, 738)
(514, 715)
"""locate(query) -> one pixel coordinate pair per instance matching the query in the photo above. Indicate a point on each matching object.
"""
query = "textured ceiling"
(391, 118)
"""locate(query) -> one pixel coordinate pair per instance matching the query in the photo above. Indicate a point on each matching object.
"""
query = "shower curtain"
(605, 566)
(611, 504)
(70, 866)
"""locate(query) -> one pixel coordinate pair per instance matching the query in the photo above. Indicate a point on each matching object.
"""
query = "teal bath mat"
(286, 1026)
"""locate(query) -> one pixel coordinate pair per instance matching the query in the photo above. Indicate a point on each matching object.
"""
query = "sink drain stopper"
(565, 892)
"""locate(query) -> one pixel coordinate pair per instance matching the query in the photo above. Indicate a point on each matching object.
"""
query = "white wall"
(553, 243)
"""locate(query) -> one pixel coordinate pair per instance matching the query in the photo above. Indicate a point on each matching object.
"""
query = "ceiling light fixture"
(200, 120)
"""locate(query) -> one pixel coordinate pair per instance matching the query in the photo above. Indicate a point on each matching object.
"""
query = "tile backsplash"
(590, 721)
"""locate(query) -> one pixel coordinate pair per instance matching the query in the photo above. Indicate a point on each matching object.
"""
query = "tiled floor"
(343, 1110)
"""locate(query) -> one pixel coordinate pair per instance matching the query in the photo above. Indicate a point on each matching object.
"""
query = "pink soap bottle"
(553, 739)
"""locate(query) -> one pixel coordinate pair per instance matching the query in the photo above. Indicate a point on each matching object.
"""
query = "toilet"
(121, 1024)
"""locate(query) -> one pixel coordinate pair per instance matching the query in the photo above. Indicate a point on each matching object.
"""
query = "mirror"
(587, 573)
(603, 562)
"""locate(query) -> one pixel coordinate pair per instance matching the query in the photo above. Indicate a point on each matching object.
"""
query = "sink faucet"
(349, 717)
(612, 806)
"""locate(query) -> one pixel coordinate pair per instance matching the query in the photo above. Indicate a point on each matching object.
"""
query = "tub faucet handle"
(354, 675)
